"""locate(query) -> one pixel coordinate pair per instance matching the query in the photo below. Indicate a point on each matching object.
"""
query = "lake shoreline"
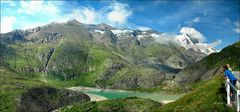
(95, 94)
(82, 88)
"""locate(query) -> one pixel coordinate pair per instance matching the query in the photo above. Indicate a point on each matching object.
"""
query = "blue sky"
(215, 20)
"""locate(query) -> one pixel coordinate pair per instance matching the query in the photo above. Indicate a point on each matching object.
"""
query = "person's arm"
(225, 75)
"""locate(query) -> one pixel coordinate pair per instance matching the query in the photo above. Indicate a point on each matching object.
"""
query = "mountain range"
(36, 64)
(98, 55)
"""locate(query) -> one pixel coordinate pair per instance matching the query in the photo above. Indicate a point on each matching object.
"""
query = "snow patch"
(121, 31)
(154, 35)
(100, 31)
(139, 37)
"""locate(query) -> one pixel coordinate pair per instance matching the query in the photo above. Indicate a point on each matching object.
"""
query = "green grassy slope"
(13, 85)
(131, 104)
(228, 55)
(208, 96)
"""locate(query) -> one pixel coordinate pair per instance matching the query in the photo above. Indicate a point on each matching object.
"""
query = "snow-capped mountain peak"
(188, 42)
(183, 40)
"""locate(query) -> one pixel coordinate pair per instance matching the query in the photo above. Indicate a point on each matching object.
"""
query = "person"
(228, 74)
(228, 65)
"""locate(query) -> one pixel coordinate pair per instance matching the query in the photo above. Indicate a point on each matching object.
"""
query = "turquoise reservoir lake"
(114, 94)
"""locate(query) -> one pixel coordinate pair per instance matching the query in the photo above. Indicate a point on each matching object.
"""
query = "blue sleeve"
(225, 73)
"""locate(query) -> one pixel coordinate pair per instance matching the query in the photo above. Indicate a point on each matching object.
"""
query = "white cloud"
(237, 30)
(196, 20)
(216, 43)
(237, 27)
(11, 3)
(32, 25)
(192, 33)
(36, 7)
(7, 23)
(84, 14)
(115, 14)
(143, 28)
(237, 24)
(165, 38)
(37, 13)
(120, 13)
(203, 46)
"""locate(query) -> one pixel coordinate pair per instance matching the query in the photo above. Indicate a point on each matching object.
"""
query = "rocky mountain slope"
(95, 55)
(45, 99)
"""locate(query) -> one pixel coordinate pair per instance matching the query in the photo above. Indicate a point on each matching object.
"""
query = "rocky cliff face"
(46, 99)
(140, 80)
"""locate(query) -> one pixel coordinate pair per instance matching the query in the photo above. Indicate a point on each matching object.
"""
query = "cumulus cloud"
(36, 7)
(7, 23)
(84, 14)
(119, 13)
(193, 33)
(30, 14)
(216, 43)
(115, 14)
